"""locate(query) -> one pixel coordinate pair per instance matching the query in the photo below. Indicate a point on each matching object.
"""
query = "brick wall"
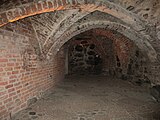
(123, 58)
(22, 75)
(24, 27)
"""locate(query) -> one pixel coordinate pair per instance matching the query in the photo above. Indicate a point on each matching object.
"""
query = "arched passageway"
(106, 52)
(113, 87)
(113, 43)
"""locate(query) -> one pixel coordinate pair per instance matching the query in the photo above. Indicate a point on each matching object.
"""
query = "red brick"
(33, 7)
(18, 87)
(9, 73)
(10, 64)
(12, 76)
(8, 69)
(28, 10)
(15, 72)
(8, 100)
(39, 6)
(18, 91)
(9, 104)
(59, 3)
(12, 81)
(12, 94)
(55, 4)
(1, 69)
(11, 90)
(64, 2)
(3, 97)
(2, 93)
(33, 80)
(2, 108)
(3, 83)
(45, 6)
(9, 86)
(3, 60)
(50, 5)
(2, 64)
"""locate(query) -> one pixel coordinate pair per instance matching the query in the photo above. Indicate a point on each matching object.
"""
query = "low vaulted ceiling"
(136, 19)
(148, 10)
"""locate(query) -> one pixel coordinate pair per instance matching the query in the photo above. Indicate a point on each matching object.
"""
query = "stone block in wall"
(155, 92)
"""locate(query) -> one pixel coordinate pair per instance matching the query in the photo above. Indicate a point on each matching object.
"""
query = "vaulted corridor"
(94, 98)
(79, 59)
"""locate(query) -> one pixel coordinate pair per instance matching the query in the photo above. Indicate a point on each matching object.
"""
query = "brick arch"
(141, 42)
(89, 6)
(30, 9)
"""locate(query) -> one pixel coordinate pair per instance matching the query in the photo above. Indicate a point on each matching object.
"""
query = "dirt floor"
(94, 98)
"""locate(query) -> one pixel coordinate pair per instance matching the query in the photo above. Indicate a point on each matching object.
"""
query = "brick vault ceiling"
(139, 16)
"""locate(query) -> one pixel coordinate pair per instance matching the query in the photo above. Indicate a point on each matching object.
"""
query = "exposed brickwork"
(128, 60)
(90, 22)
(146, 10)
(112, 9)
(29, 63)
(23, 76)
(120, 56)
(24, 10)
(30, 8)
(80, 27)
(43, 6)
(25, 28)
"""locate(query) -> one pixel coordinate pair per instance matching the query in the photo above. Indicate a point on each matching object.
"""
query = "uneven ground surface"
(94, 98)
